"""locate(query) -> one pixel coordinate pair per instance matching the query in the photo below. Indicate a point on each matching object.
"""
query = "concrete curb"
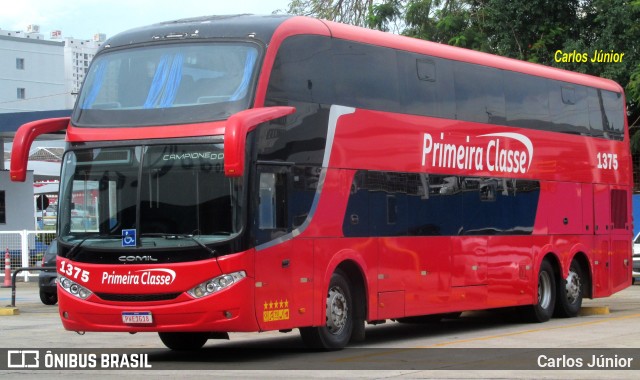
(594, 310)
(9, 311)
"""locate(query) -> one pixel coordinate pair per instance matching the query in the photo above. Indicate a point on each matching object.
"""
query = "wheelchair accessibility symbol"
(128, 238)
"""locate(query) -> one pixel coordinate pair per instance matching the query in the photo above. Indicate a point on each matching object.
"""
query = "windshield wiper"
(182, 236)
(94, 236)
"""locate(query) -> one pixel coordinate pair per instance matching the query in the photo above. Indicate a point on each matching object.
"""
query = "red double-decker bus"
(247, 173)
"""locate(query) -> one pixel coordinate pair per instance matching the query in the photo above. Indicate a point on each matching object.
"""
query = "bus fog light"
(216, 284)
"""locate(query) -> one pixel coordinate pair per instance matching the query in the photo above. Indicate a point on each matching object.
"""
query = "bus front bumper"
(230, 310)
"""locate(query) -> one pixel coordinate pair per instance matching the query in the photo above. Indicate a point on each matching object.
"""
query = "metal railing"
(26, 249)
(13, 280)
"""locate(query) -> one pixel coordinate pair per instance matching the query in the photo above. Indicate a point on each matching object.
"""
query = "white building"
(16, 203)
(77, 57)
(38, 79)
(31, 73)
(42, 75)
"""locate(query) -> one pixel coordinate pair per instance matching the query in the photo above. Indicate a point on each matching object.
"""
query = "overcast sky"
(83, 18)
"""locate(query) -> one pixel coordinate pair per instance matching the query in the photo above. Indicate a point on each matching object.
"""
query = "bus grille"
(137, 297)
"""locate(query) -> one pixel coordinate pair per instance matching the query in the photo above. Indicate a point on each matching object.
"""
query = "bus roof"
(264, 28)
(227, 26)
(466, 55)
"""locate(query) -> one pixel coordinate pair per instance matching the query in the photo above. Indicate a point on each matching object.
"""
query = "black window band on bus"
(322, 70)
(384, 204)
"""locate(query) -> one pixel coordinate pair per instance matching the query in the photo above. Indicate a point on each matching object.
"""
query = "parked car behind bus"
(47, 278)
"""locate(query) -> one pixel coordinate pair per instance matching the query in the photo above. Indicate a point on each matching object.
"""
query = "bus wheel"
(543, 309)
(570, 291)
(339, 317)
(184, 341)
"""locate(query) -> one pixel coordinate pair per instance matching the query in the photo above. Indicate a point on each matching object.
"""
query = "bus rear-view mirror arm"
(23, 140)
(235, 135)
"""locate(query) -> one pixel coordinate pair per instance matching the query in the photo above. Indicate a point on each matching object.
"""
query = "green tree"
(354, 12)
(445, 21)
(530, 30)
(387, 16)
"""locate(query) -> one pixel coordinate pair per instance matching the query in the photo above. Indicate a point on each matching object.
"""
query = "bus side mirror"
(23, 140)
(236, 130)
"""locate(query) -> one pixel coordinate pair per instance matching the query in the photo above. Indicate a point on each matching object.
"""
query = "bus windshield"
(169, 195)
(167, 84)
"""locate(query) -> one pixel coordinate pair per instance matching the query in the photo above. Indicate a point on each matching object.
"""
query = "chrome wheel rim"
(544, 290)
(573, 287)
(337, 310)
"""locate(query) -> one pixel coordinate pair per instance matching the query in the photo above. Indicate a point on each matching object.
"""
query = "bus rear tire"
(570, 291)
(184, 341)
(336, 332)
(543, 309)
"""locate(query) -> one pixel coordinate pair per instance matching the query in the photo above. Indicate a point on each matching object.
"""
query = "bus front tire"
(543, 309)
(336, 332)
(184, 341)
(570, 291)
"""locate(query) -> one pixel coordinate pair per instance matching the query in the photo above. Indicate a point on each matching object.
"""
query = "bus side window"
(272, 201)
(613, 111)
(426, 85)
(353, 67)
(302, 71)
(606, 114)
(595, 112)
(527, 101)
(479, 93)
(568, 108)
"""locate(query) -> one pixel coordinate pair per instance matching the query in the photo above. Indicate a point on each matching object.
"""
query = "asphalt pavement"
(487, 344)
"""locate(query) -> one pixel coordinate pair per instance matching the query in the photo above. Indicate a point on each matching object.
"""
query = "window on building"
(3, 213)
(21, 93)
(20, 63)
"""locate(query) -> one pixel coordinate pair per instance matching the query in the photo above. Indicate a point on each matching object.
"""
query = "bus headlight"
(216, 284)
(73, 288)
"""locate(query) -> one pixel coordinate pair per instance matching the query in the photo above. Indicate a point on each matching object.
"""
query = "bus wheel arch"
(573, 287)
(359, 292)
(344, 313)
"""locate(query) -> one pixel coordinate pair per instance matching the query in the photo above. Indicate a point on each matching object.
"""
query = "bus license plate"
(137, 317)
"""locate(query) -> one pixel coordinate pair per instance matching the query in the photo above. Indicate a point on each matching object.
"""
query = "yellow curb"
(9, 311)
(594, 310)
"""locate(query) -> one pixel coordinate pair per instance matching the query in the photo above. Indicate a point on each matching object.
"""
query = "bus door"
(601, 259)
(621, 235)
(284, 266)
(612, 229)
